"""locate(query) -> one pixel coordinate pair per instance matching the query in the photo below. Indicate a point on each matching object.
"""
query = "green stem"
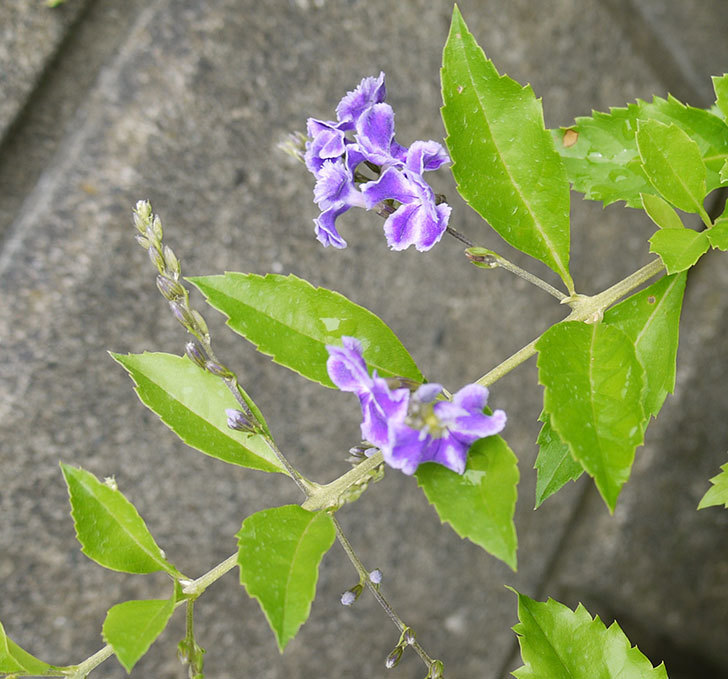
(198, 586)
(81, 671)
(583, 309)
(526, 276)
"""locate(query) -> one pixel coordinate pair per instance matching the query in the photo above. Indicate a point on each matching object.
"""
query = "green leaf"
(673, 164)
(288, 319)
(192, 403)
(593, 397)
(279, 555)
(601, 156)
(679, 249)
(480, 503)
(132, 627)
(718, 233)
(14, 660)
(720, 85)
(718, 493)
(109, 528)
(661, 212)
(558, 643)
(651, 320)
(504, 160)
(723, 174)
(555, 466)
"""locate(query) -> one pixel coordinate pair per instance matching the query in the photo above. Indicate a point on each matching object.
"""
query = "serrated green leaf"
(679, 249)
(288, 319)
(601, 156)
(673, 164)
(718, 233)
(130, 628)
(109, 528)
(720, 85)
(718, 493)
(480, 503)
(15, 660)
(504, 160)
(279, 554)
(558, 643)
(593, 397)
(651, 320)
(554, 466)
(661, 212)
(192, 403)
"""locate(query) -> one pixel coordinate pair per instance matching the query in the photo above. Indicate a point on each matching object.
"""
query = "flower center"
(422, 416)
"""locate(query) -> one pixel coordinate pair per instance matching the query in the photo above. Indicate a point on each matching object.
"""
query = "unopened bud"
(408, 636)
(181, 314)
(170, 289)
(200, 323)
(218, 369)
(394, 657)
(376, 576)
(351, 595)
(436, 669)
(294, 145)
(157, 227)
(142, 240)
(142, 212)
(196, 353)
(170, 259)
(156, 258)
(237, 420)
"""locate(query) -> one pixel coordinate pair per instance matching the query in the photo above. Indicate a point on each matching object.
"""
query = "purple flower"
(370, 91)
(412, 428)
(348, 371)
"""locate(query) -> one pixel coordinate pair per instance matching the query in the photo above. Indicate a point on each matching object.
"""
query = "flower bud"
(157, 227)
(436, 669)
(376, 576)
(181, 314)
(156, 258)
(142, 240)
(170, 259)
(200, 323)
(170, 289)
(196, 353)
(218, 369)
(142, 213)
(394, 657)
(351, 595)
(237, 420)
(408, 636)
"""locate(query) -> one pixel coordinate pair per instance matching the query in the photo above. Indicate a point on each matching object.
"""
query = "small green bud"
(181, 314)
(142, 214)
(157, 227)
(200, 323)
(170, 289)
(196, 353)
(171, 260)
(482, 257)
(142, 240)
(156, 258)
(394, 657)
(436, 670)
(218, 370)
(351, 595)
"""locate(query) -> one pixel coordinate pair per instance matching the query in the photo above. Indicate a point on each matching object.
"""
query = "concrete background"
(182, 101)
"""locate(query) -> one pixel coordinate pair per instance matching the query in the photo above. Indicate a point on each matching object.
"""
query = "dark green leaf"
(279, 555)
(651, 320)
(504, 160)
(480, 503)
(600, 152)
(192, 403)
(673, 164)
(720, 85)
(718, 493)
(679, 249)
(661, 212)
(14, 660)
(288, 319)
(132, 627)
(555, 466)
(109, 528)
(593, 397)
(558, 643)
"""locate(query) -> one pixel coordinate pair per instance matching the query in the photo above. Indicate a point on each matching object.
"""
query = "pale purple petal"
(325, 226)
(335, 187)
(326, 142)
(471, 397)
(448, 452)
(404, 450)
(370, 91)
(375, 131)
(380, 407)
(424, 156)
(346, 366)
(391, 185)
(400, 226)
(428, 392)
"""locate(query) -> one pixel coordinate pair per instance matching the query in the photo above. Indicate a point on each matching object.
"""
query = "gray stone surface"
(188, 112)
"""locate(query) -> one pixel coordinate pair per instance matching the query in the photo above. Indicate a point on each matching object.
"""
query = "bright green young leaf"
(504, 160)
(480, 504)
(558, 643)
(109, 528)
(661, 212)
(673, 164)
(132, 627)
(279, 555)
(651, 320)
(288, 319)
(601, 156)
(679, 249)
(720, 85)
(192, 403)
(723, 174)
(555, 466)
(718, 233)
(593, 397)
(14, 660)
(718, 493)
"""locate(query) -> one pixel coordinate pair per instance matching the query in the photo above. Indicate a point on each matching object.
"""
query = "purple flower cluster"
(334, 158)
(413, 427)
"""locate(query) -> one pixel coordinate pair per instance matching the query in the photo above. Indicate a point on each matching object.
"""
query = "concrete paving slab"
(189, 114)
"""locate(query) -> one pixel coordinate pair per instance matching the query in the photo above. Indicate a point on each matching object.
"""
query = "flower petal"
(335, 187)
(391, 185)
(404, 449)
(346, 366)
(375, 131)
(325, 224)
(370, 91)
(424, 156)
